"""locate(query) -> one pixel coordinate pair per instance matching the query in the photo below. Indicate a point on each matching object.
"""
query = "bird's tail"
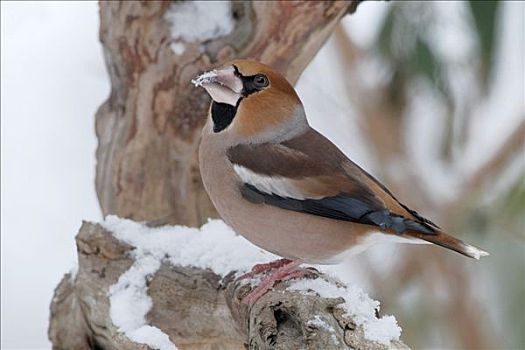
(447, 241)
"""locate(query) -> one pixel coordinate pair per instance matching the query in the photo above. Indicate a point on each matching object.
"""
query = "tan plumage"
(287, 188)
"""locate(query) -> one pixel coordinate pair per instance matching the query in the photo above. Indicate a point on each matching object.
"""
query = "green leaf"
(427, 64)
(485, 14)
(515, 198)
(384, 39)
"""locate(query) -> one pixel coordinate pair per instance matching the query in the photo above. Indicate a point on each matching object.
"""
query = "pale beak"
(223, 85)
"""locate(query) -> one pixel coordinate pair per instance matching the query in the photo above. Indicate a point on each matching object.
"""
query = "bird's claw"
(260, 268)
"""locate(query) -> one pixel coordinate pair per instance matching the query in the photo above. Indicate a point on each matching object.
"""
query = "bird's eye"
(260, 81)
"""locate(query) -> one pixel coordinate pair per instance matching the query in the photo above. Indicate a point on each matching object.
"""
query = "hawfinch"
(287, 188)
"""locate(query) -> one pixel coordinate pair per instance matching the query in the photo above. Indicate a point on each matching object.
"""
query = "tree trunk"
(196, 308)
(149, 128)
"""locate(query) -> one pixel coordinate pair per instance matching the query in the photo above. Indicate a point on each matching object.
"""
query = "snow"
(364, 26)
(178, 47)
(153, 337)
(499, 114)
(318, 322)
(358, 306)
(206, 77)
(198, 21)
(130, 303)
(214, 246)
(73, 272)
(128, 298)
(450, 35)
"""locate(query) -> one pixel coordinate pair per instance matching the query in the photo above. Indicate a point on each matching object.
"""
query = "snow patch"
(204, 78)
(318, 322)
(214, 246)
(153, 337)
(358, 306)
(131, 290)
(198, 21)
(178, 47)
(74, 271)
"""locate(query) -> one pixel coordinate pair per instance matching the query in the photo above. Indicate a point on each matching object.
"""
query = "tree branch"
(196, 308)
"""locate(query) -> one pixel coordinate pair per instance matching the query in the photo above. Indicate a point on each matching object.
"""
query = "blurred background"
(429, 97)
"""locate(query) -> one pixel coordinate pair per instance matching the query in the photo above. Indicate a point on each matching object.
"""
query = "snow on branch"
(198, 21)
(161, 286)
(213, 247)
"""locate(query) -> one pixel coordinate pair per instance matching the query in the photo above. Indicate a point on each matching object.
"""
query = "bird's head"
(252, 102)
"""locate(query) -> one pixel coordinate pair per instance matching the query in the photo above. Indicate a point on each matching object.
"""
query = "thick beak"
(223, 85)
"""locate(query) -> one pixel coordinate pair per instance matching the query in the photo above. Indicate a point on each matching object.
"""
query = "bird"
(287, 188)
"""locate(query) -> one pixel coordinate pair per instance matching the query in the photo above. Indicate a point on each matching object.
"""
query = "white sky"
(52, 81)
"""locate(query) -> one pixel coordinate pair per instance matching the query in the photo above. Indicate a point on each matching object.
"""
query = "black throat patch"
(222, 115)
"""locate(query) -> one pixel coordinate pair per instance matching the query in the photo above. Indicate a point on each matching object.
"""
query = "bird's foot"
(260, 268)
(286, 271)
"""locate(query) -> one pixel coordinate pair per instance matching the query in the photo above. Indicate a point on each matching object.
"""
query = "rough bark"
(80, 316)
(148, 129)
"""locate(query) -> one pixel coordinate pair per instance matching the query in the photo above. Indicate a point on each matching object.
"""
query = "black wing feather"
(340, 207)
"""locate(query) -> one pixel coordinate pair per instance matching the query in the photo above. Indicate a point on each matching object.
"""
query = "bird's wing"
(309, 174)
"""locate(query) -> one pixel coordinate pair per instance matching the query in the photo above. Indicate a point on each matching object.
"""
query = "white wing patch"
(277, 185)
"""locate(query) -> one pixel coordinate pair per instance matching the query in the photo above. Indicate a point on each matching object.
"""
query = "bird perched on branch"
(287, 188)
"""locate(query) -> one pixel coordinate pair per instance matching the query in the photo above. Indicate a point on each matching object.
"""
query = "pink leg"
(284, 272)
(259, 268)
